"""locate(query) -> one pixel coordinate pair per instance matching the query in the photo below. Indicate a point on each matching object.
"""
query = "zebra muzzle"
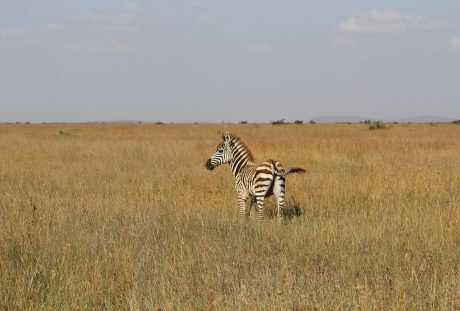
(208, 165)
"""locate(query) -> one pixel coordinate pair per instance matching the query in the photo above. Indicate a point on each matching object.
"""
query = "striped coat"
(254, 182)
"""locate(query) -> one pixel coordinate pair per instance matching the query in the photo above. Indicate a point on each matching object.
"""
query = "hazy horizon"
(318, 119)
(207, 61)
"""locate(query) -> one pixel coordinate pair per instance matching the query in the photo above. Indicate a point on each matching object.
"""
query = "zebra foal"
(253, 181)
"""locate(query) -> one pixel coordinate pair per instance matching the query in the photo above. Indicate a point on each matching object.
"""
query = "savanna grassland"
(125, 217)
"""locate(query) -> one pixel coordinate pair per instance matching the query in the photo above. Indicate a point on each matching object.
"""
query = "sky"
(214, 61)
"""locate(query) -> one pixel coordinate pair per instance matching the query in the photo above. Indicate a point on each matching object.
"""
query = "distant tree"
(159, 123)
(280, 122)
(244, 122)
(298, 122)
(456, 122)
(312, 122)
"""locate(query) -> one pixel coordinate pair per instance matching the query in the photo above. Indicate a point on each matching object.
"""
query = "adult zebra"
(254, 182)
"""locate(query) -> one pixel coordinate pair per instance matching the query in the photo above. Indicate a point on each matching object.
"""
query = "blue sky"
(207, 60)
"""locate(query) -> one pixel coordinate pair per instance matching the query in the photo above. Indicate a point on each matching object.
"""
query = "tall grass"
(126, 217)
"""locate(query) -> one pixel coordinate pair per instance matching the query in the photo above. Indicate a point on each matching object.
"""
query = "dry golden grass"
(126, 217)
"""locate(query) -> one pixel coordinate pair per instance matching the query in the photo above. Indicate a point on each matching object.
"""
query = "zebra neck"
(240, 158)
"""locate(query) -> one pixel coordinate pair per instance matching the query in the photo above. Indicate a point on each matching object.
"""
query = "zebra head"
(223, 153)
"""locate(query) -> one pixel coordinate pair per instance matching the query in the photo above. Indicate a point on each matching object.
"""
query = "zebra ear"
(227, 136)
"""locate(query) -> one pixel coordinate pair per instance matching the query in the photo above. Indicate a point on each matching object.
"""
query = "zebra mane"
(239, 141)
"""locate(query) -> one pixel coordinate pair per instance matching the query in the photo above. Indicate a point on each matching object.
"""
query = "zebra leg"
(279, 191)
(252, 207)
(260, 207)
(242, 203)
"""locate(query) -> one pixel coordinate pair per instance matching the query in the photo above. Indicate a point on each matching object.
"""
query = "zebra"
(253, 181)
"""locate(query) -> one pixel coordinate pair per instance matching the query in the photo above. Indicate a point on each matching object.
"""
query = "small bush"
(456, 122)
(64, 133)
(312, 122)
(377, 125)
(159, 123)
(244, 122)
(280, 122)
(298, 122)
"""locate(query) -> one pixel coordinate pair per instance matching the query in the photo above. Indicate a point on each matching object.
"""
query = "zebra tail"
(293, 170)
(297, 170)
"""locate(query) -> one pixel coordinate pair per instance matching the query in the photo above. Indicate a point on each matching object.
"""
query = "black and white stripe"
(254, 182)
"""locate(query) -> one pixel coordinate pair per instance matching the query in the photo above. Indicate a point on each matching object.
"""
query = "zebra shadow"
(291, 210)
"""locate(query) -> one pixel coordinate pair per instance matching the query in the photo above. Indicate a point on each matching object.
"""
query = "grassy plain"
(125, 217)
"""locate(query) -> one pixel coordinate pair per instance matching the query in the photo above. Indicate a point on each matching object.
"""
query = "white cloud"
(132, 6)
(194, 3)
(98, 48)
(22, 44)
(205, 19)
(389, 21)
(118, 21)
(19, 37)
(454, 44)
(96, 17)
(53, 27)
(14, 32)
(128, 17)
(259, 48)
(55, 35)
(343, 42)
(280, 28)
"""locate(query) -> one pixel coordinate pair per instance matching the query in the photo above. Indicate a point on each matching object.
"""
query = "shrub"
(298, 122)
(159, 123)
(312, 122)
(280, 122)
(244, 122)
(64, 133)
(456, 121)
(377, 125)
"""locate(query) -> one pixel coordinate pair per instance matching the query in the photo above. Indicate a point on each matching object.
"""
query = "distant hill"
(336, 119)
(124, 121)
(426, 119)
(356, 119)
